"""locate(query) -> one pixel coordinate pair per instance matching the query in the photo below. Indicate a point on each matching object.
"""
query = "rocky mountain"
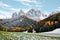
(14, 15)
(49, 24)
(21, 12)
(21, 21)
(31, 14)
(35, 15)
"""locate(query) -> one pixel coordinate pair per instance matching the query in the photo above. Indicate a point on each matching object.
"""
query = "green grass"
(26, 36)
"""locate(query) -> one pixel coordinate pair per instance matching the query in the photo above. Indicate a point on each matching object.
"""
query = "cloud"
(46, 13)
(26, 4)
(4, 5)
(2, 17)
(58, 9)
(30, 3)
(26, 0)
(4, 14)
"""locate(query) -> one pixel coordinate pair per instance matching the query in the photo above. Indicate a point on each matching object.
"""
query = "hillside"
(21, 21)
(17, 24)
(48, 24)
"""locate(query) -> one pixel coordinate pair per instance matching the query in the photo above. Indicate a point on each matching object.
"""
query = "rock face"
(32, 14)
(35, 15)
(22, 21)
(21, 12)
(14, 15)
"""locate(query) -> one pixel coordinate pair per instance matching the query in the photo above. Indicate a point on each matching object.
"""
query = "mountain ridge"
(48, 24)
(32, 14)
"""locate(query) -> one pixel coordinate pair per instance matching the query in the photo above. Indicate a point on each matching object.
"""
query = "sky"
(7, 7)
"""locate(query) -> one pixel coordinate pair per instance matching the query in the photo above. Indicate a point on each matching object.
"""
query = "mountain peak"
(32, 9)
(21, 12)
(32, 14)
(14, 15)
